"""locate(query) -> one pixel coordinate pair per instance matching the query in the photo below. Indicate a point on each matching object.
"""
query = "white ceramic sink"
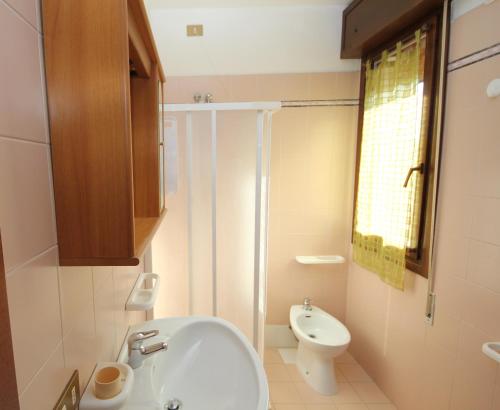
(209, 365)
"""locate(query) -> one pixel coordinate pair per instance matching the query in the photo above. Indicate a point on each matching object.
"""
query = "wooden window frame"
(417, 260)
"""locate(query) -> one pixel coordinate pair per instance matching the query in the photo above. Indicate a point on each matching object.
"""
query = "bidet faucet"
(137, 352)
(307, 304)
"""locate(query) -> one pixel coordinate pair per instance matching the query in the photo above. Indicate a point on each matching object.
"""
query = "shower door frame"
(264, 112)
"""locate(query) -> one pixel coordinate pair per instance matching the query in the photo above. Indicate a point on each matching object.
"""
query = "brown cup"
(108, 382)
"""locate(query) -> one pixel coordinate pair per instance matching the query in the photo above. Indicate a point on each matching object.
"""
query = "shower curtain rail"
(234, 106)
(343, 102)
(263, 105)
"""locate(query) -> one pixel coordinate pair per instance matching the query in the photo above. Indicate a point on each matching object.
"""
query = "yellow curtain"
(387, 214)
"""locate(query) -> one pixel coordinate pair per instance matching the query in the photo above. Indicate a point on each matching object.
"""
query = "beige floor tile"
(378, 406)
(272, 356)
(310, 396)
(289, 407)
(321, 407)
(352, 406)
(354, 372)
(339, 375)
(277, 372)
(346, 395)
(345, 357)
(294, 373)
(284, 393)
(369, 392)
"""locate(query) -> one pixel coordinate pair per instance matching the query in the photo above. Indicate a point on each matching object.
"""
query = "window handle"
(419, 168)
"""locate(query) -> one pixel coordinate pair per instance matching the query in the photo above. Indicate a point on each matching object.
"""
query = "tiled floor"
(290, 392)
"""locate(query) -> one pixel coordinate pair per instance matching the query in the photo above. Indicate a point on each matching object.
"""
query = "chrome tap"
(137, 352)
(307, 304)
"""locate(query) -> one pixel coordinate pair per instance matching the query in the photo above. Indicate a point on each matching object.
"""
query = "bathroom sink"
(209, 365)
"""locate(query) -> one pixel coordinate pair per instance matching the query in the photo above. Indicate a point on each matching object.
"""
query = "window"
(396, 155)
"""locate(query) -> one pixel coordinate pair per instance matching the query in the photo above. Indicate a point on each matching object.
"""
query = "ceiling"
(249, 36)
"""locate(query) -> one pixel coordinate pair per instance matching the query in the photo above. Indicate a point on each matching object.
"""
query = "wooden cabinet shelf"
(104, 86)
(144, 230)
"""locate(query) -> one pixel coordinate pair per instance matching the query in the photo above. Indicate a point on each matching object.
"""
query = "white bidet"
(322, 337)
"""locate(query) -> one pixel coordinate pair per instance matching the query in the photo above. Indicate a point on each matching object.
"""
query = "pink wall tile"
(485, 221)
(243, 87)
(46, 387)
(104, 313)
(29, 9)
(444, 333)
(34, 314)
(437, 377)
(26, 210)
(22, 101)
(474, 374)
(475, 30)
(280, 87)
(482, 269)
(480, 309)
(76, 294)
(124, 278)
(80, 345)
(325, 86)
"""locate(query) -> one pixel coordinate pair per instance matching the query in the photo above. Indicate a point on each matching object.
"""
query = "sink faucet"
(137, 352)
(307, 304)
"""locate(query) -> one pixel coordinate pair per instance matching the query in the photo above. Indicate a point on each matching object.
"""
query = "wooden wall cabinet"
(368, 24)
(104, 82)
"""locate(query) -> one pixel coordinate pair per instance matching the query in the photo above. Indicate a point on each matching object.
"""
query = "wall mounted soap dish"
(143, 298)
(320, 260)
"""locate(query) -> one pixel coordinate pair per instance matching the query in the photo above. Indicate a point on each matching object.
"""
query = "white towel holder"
(320, 259)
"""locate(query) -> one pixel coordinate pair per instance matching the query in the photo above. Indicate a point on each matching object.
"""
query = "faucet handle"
(137, 337)
(154, 348)
(307, 300)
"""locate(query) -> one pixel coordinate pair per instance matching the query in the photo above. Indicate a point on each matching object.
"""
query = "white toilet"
(321, 338)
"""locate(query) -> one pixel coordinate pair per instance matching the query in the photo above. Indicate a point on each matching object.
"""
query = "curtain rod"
(408, 42)
(320, 103)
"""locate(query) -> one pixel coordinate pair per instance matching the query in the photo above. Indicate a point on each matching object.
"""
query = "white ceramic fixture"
(209, 364)
(493, 89)
(322, 337)
(320, 260)
(143, 298)
(89, 400)
(492, 350)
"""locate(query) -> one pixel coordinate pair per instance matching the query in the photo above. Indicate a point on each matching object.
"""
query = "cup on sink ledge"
(108, 382)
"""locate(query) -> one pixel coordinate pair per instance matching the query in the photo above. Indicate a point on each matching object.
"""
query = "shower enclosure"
(218, 161)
